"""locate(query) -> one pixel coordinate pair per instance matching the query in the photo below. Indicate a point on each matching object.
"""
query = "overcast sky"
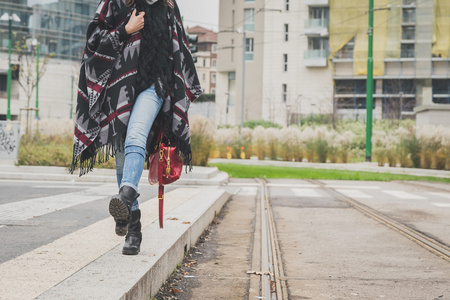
(200, 12)
(195, 12)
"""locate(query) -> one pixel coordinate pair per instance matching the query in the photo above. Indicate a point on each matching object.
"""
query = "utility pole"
(9, 18)
(38, 53)
(8, 111)
(243, 81)
(369, 99)
(71, 98)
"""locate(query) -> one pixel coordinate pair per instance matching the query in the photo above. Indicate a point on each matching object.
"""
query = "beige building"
(286, 67)
(310, 56)
(206, 64)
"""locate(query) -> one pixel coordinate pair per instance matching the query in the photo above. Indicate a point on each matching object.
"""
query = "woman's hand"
(135, 23)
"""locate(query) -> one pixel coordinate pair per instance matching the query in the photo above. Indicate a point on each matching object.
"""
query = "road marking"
(308, 193)
(403, 195)
(59, 186)
(293, 185)
(365, 187)
(36, 207)
(65, 256)
(248, 191)
(51, 181)
(354, 193)
(446, 205)
(243, 184)
(443, 195)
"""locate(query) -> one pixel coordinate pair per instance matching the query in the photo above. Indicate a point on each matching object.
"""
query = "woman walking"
(137, 78)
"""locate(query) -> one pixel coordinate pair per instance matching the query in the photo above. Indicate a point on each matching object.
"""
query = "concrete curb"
(199, 176)
(115, 276)
(361, 167)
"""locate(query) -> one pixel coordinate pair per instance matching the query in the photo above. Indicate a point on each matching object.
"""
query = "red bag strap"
(161, 187)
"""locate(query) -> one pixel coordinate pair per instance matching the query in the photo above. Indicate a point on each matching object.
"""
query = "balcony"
(316, 27)
(316, 58)
(317, 2)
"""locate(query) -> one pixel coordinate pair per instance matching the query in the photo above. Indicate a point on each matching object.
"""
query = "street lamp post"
(312, 115)
(9, 18)
(38, 54)
(244, 40)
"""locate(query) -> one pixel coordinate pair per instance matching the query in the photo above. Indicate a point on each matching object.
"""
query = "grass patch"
(243, 171)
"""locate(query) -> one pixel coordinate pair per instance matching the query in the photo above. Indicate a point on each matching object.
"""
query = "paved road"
(329, 249)
(34, 213)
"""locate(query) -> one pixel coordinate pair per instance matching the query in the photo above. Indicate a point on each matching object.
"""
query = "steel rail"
(273, 284)
(279, 281)
(421, 239)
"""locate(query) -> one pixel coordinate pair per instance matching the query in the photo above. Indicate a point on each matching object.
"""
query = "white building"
(286, 68)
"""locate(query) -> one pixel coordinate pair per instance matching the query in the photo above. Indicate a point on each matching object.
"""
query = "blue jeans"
(130, 163)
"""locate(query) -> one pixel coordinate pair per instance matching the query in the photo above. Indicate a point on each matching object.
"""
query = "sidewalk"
(361, 167)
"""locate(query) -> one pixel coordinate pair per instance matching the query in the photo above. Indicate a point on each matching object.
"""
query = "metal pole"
(243, 82)
(38, 53)
(8, 110)
(369, 100)
(71, 100)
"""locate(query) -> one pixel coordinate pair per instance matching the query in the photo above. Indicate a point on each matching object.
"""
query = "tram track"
(268, 277)
(423, 240)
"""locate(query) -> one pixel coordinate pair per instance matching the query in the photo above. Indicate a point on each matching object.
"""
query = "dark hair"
(131, 2)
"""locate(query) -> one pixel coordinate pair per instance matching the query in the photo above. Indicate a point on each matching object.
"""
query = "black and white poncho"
(107, 87)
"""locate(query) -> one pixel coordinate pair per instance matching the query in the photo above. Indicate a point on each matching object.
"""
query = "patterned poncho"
(106, 89)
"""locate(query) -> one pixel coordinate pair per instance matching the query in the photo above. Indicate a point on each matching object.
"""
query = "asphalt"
(88, 263)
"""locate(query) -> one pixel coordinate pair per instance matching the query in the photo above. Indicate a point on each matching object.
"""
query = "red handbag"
(165, 166)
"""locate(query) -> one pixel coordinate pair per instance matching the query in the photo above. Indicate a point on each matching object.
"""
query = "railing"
(316, 23)
(316, 54)
(317, 2)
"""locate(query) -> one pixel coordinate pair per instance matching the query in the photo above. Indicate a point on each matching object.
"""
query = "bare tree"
(29, 74)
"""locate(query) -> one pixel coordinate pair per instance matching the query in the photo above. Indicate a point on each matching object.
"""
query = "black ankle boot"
(134, 236)
(120, 208)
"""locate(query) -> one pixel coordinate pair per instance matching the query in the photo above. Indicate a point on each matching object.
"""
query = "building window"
(320, 13)
(286, 32)
(213, 91)
(285, 56)
(287, 5)
(214, 63)
(249, 49)
(204, 62)
(347, 50)
(213, 79)
(204, 77)
(409, 33)
(214, 48)
(407, 50)
(284, 92)
(409, 15)
(249, 0)
(249, 19)
(318, 47)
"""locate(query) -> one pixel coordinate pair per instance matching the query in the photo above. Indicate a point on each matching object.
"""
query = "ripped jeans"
(130, 163)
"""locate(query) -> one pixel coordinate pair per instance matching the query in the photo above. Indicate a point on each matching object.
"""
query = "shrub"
(259, 142)
(40, 150)
(266, 124)
(272, 142)
(202, 132)
(224, 138)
